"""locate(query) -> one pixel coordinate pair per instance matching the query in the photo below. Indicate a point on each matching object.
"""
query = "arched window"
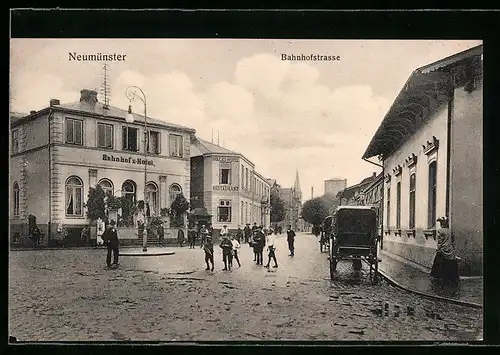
(107, 186)
(174, 190)
(16, 198)
(74, 196)
(431, 205)
(151, 199)
(129, 189)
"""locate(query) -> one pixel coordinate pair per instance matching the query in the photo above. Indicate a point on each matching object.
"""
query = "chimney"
(54, 102)
(374, 174)
(32, 112)
(88, 96)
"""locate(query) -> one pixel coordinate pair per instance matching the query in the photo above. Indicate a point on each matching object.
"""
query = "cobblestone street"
(69, 295)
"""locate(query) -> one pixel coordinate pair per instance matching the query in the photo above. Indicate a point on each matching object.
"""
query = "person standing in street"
(100, 230)
(270, 239)
(208, 248)
(224, 232)
(227, 252)
(204, 234)
(236, 246)
(110, 237)
(260, 242)
(445, 266)
(290, 237)
(161, 233)
(247, 231)
(254, 228)
(239, 235)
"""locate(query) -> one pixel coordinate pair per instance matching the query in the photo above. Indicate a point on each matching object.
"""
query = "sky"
(316, 117)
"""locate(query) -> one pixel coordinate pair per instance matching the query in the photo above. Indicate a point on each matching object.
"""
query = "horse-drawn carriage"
(354, 237)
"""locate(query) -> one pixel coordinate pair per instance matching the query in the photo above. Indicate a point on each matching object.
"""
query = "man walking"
(227, 256)
(290, 236)
(260, 242)
(247, 231)
(208, 248)
(236, 246)
(110, 237)
(271, 249)
(239, 235)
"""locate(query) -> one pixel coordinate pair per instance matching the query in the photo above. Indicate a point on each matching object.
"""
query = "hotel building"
(61, 151)
(227, 185)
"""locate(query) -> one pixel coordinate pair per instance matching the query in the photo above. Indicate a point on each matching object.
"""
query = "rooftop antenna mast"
(105, 87)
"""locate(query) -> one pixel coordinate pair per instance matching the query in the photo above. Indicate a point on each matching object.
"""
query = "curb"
(143, 254)
(441, 298)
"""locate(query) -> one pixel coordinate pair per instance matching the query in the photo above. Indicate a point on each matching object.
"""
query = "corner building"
(227, 185)
(61, 151)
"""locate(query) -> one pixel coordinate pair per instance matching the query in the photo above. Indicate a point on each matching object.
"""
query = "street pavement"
(69, 295)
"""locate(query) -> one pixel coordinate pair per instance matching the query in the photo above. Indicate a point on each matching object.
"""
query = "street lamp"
(132, 92)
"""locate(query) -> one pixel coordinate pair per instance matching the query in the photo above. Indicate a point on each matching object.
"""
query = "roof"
(350, 191)
(375, 181)
(205, 147)
(425, 90)
(109, 112)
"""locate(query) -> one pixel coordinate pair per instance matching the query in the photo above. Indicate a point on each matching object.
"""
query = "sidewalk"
(416, 279)
(151, 251)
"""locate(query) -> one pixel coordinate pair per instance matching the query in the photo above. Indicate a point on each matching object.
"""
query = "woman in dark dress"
(445, 262)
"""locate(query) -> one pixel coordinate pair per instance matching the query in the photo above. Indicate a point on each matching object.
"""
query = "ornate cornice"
(397, 170)
(411, 160)
(430, 147)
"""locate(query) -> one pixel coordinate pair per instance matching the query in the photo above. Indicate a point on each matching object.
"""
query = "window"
(107, 186)
(412, 202)
(431, 206)
(246, 212)
(129, 189)
(74, 196)
(242, 218)
(224, 211)
(129, 138)
(388, 212)
(16, 199)
(15, 141)
(104, 135)
(151, 199)
(74, 131)
(173, 192)
(398, 205)
(154, 142)
(175, 145)
(225, 174)
(242, 176)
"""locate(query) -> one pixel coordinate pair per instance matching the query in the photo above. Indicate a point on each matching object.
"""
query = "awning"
(422, 94)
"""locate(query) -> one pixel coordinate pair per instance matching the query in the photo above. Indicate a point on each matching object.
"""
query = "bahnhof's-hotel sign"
(127, 160)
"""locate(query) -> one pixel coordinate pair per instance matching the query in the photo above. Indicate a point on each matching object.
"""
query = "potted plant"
(177, 211)
(113, 204)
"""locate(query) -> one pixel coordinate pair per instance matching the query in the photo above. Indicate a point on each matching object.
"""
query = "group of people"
(256, 237)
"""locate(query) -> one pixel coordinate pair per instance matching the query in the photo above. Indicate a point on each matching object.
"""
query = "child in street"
(208, 248)
(227, 250)
(271, 249)
(236, 246)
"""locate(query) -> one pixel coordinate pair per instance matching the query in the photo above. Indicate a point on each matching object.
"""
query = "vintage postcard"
(251, 190)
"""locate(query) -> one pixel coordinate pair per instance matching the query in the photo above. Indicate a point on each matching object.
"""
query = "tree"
(277, 207)
(177, 210)
(95, 203)
(315, 211)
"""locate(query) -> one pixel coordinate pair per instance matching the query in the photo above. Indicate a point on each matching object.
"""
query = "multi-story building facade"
(430, 145)
(354, 195)
(373, 196)
(61, 151)
(227, 185)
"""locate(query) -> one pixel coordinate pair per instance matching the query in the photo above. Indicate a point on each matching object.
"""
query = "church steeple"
(296, 186)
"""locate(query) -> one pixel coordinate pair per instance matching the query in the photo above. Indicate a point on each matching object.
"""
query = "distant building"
(373, 196)
(430, 144)
(354, 195)
(334, 186)
(227, 185)
(292, 197)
